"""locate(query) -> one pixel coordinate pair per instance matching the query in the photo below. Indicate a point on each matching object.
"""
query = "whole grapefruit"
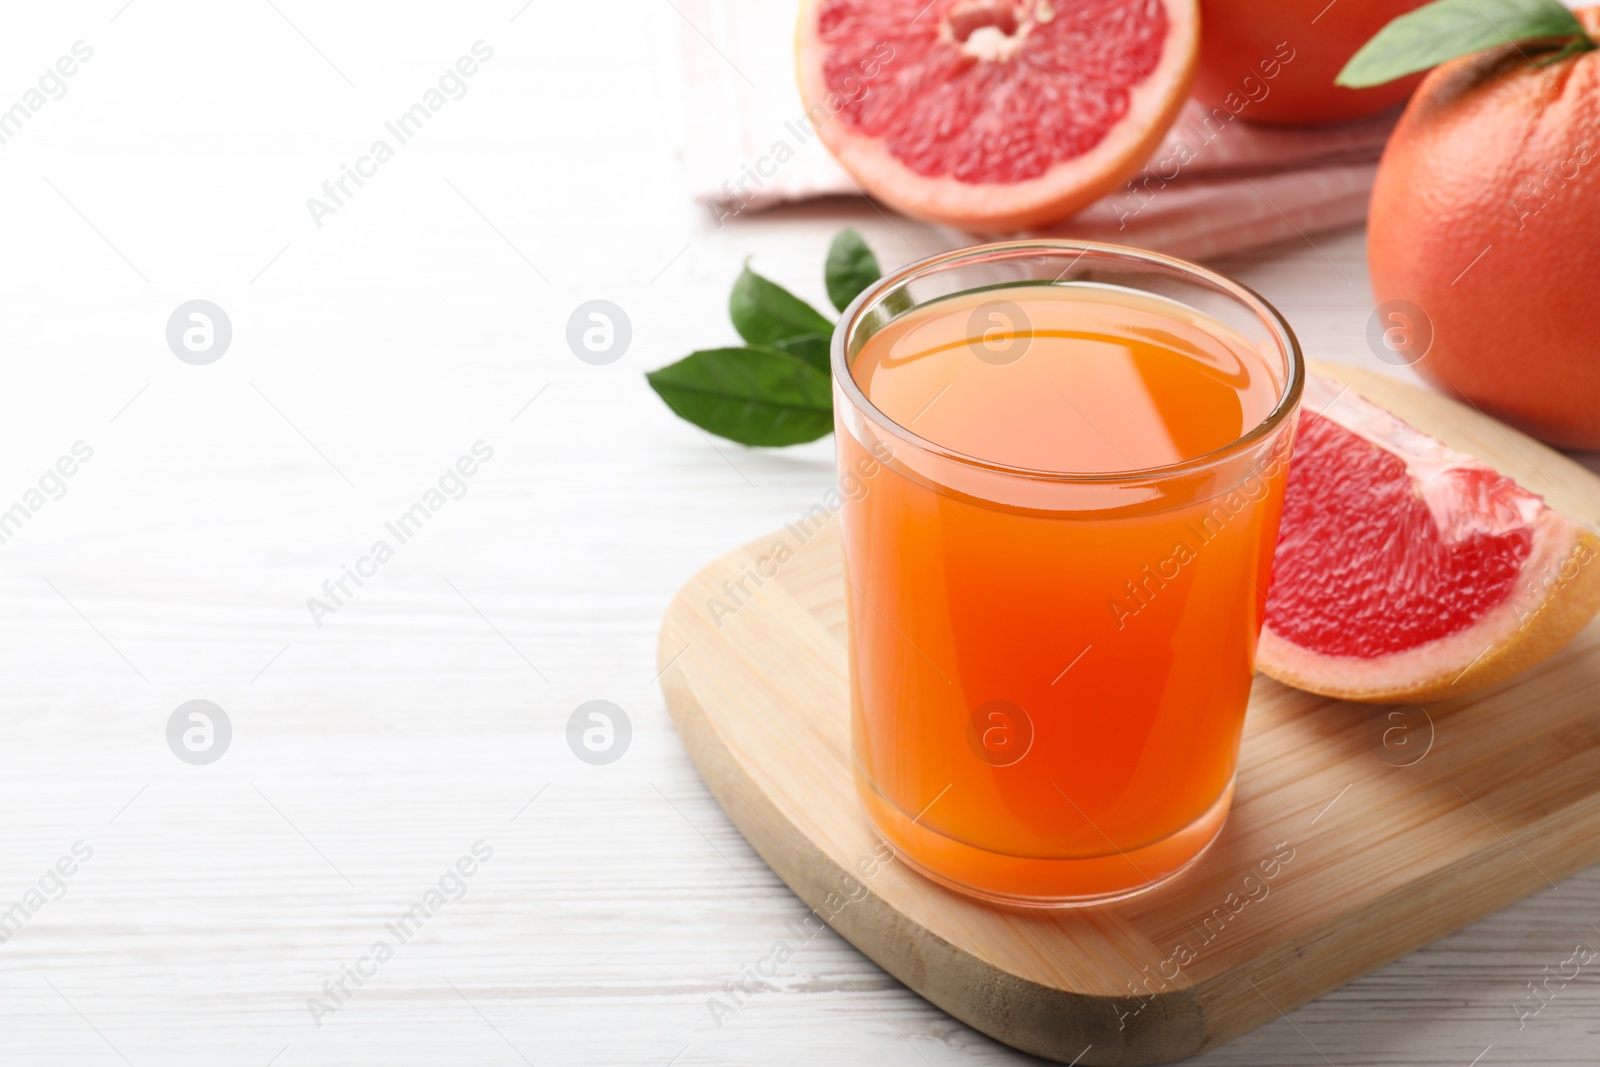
(1486, 217)
(1274, 62)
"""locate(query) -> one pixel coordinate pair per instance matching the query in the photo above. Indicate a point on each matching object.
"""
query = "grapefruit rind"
(1557, 595)
(1557, 591)
(1065, 189)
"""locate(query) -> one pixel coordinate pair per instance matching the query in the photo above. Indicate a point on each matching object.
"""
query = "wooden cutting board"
(1358, 833)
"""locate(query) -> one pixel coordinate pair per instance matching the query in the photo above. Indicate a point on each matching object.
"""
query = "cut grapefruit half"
(1410, 572)
(994, 115)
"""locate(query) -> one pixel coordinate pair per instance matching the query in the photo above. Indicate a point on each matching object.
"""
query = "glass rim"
(1288, 398)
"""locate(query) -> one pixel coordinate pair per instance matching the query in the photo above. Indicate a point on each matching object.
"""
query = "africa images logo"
(337, 191)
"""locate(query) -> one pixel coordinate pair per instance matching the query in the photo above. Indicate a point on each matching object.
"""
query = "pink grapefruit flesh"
(994, 115)
(1407, 571)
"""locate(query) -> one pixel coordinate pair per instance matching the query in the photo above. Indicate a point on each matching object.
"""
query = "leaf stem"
(1576, 46)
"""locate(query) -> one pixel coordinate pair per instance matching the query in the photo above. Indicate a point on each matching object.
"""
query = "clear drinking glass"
(1016, 735)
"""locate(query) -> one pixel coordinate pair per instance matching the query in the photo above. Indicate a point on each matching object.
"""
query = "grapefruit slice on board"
(994, 115)
(1407, 571)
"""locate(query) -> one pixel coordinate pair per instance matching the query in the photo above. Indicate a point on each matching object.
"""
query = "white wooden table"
(429, 712)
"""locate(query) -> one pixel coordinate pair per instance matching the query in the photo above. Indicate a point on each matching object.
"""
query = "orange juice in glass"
(1056, 582)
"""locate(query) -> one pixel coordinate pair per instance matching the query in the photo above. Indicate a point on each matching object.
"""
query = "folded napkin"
(1215, 185)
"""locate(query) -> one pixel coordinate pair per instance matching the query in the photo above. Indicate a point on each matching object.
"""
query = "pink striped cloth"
(1215, 185)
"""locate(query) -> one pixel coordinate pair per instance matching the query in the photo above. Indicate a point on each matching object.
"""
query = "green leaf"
(851, 268)
(755, 396)
(811, 347)
(764, 312)
(1446, 29)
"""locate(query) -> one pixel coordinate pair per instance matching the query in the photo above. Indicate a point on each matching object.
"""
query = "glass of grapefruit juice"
(1057, 573)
